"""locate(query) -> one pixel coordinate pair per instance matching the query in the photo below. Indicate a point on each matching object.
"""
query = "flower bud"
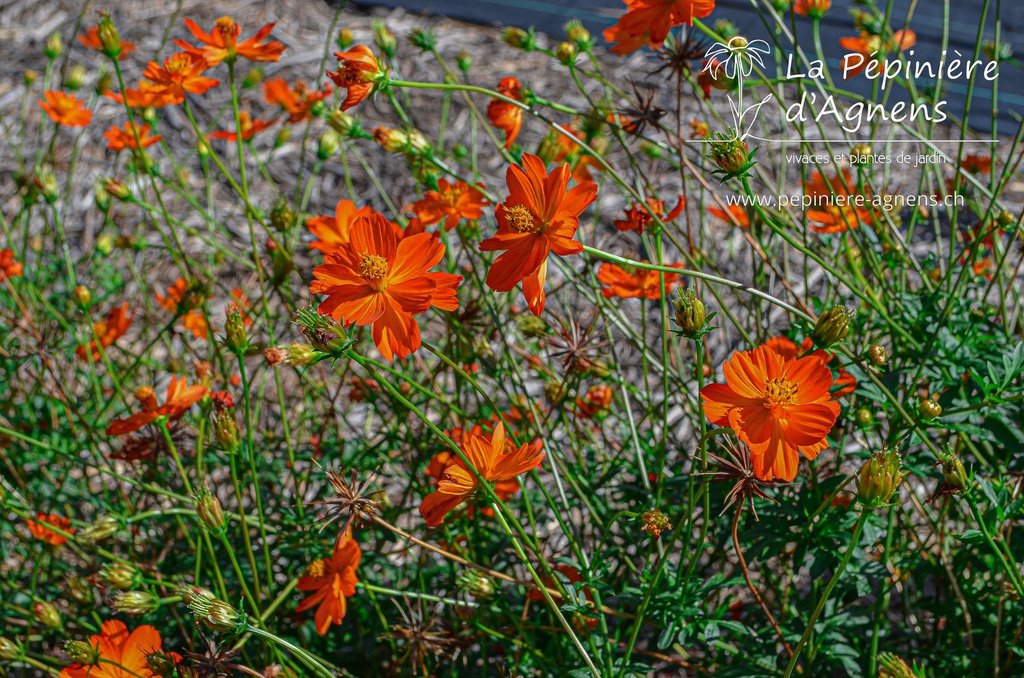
(730, 154)
(252, 77)
(929, 408)
(9, 649)
(101, 529)
(209, 510)
(579, 36)
(391, 140)
(384, 38)
(29, 77)
(103, 84)
(162, 663)
(531, 325)
(46, 614)
(81, 652)
(832, 327)
(566, 53)
(690, 315)
(121, 576)
(517, 38)
(75, 78)
(327, 145)
(225, 430)
(82, 296)
(954, 473)
(464, 60)
(290, 354)
(193, 592)
(860, 155)
(879, 477)
(216, 614)
(864, 416)
(555, 391)
(877, 355)
(653, 523)
(426, 40)
(236, 338)
(891, 666)
(342, 123)
(116, 188)
(285, 133)
(78, 589)
(48, 186)
(109, 37)
(54, 46)
(478, 585)
(282, 217)
(344, 39)
(136, 602)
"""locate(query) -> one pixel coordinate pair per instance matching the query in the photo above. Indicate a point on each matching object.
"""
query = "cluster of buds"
(691, 316)
(136, 602)
(653, 523)
(832, 327)
(296, 355)
(879, 477)
(213, 612)
(101, 529)
(209, 510)
(121, 576)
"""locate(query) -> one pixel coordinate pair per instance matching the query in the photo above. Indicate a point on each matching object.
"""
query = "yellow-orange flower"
(39, 529)
(376, 279)
(844, 383)
(107, 331)
(638, 218)
(357, 71)
(333, 232)
(181, 73)
(863, 46)
(632, 282)
(539, 216)
(9, 266)
(91, 39)
(331, 581)
(812, 8)
(249, 128)
(119, 138)
(495, 459)
(123, 652)
(505, 116)
(298, 101)
(180, 397)
(450, 203)
(65, 109)
(221, 43)
(649, 21)
(734, 215)
(779, 408)
(595, 401)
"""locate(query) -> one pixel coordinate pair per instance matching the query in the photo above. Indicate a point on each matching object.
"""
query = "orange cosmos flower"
(249, 128)
(977, 164)
(119, 138)
(107, 332)
(175, 293)
(637, 218)
(221, 43)
(495, 459)
(9, 266)
(539, 216)
(567, 149)
(39, 529)
(450, 203)
(649, 21)
(331, 580)
(195, 322)
(733, 214)
(505, 116)
(91, 40)
(779, 408)
(333, 232)
(838, 213)
(812, 8)
(863, 46)
(182, 72)
(147, 94)
(380, 280)
(180, 397)
(631, 282)
(123, 652)
(357, 71)
(713, 75)
(596, 401)
(297, 101)
(65, 109)
(844, 383)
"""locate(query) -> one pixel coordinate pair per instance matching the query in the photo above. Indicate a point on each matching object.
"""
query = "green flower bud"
(328, 144)
(579, 36)
(136, 602)
(342, 123)
(109, 37)
(877, 355)
(216, 614)
(78, 589)
(426, 40)
(954, 473)
(75, 78)
(478, 585)
(225, 430)
(48, 186)
(209, 510)
(864, 416)
(929, 408)
(101, 529)
(82, 296)
(730, 154)
(832, 327)
(464, 60)
(54, 46)
(291, 354)
(384, 38)
(566, 53)
(517, 38)
(9, 650)
(103, 84)
(891, 666)
(531, 325)
(46, 614)
(236, 338)
(253, 77)
(344, 39)
(879, 477)
(81, 652)
(282, 217)
(121, 576)
(691, 316)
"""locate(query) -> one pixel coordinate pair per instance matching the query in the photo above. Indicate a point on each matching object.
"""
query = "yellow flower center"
(178, 64)
(316, 569)
(373, 267)
(779, 392)
(521, 220)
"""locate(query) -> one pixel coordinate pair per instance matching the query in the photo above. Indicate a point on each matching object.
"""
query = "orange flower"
(123, 653)
(844, 384)
(733, 215)
(450, 203)
(812, 8)
(505, 116)
(91, 40)
(539, 216)
(637, 218)
(378, 279)
(331, 580)
(249, 128)
(39, 529)
(195, 322)
(221, 43)
(180, 397)
(596, 401)
(713, 75)
(181, 73)
(568, 150)
(632, 282)
(778, 408)
(863, 46)
(333, 232)
(147, 94)
(175, 293)
(838, 213)
(65, 109)
(107, 332)
(9, 266)
(495, 459)
(976, 164)
(357, 71)
(298, 101)
(119, 139)
(649, 21)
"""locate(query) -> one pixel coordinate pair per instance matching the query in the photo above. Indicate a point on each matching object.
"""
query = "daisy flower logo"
(735, 60)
